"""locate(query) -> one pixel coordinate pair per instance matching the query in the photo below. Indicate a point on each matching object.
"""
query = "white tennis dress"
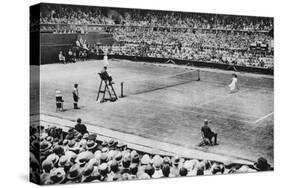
(105, 61)
(233, 84)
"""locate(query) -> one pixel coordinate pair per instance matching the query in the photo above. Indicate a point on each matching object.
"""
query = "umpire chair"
(106, 87)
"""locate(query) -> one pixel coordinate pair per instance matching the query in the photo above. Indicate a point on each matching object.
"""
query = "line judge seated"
(208, 135)
(105, 75)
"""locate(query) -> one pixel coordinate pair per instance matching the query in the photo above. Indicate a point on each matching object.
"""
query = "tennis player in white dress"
(233, 86)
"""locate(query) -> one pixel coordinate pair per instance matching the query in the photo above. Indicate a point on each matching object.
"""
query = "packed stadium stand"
(222, 39)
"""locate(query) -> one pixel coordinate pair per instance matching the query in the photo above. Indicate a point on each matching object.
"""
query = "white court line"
(220, 97)
(223, 97)
(264, 117)
(221, 117)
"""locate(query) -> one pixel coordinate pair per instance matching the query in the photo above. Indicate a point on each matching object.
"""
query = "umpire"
(75, 94)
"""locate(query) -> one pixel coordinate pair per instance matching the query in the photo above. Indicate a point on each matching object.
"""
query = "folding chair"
(59, 103)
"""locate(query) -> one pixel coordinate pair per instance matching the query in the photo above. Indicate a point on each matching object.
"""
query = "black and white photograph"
(121, 94)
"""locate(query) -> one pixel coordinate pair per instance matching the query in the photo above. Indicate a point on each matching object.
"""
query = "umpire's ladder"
(108, 88)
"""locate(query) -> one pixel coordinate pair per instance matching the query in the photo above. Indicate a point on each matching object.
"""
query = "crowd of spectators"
(80, 51)
(67, 14)
(76, 155)
(177, 35)
(194, 20)
(218, 47)
(82, 15)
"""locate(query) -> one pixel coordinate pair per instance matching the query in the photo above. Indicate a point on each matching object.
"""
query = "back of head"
(79, 120)
(166, 170)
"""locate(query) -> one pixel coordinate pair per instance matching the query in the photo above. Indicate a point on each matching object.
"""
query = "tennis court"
(167, 104)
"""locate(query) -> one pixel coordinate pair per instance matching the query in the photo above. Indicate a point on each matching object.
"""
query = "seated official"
(105, 75)
(208, 134)
(61, 57)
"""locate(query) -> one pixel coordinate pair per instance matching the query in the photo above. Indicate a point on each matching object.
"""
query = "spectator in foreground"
(81, 128)
(76, 157)
(208, 134)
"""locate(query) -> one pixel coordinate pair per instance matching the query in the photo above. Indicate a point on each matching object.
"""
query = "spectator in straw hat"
(190, 165)
(199, 169)
(114, 170)
(86, 173)
(145, 160)
(103, 170)
(83, 158)
(245, 169)
(114, 167)
(96, 175)
(47, 166)
(134, 170)
(143, 176)
(45, 148)
(126, 176)
(62, 161)
(135, 157)
(74, 174)
(121, 146)
(104, 158)
(54, 158)
(73, 146)
(174, 172)
(94, 162)
(57, 176)
(112, 143)
(125, 168)
(118, 157)
(157, 163)
(92, 136)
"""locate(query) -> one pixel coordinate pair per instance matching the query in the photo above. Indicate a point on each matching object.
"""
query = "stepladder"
(106, 90)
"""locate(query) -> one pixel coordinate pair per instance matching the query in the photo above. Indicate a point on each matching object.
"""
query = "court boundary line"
(215, 115)
(220, 117)
(241, 85)
(226, 97)
(264, 117)
(220, 97)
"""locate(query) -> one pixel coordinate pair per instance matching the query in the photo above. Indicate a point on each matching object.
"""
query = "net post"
(198, 71)
(122, 85)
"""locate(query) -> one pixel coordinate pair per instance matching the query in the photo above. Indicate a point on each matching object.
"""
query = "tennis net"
(149, 85)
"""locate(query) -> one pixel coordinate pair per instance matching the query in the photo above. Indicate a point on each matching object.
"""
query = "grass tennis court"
(165, 103)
